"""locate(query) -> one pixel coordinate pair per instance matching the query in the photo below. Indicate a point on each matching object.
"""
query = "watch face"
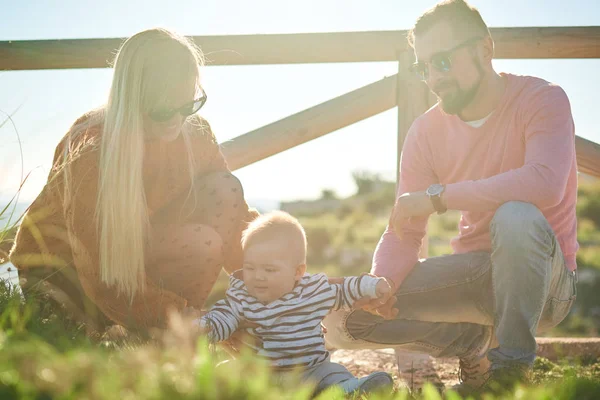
(435, 189)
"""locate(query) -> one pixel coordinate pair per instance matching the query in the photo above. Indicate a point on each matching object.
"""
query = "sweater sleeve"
(41, 239)
(206, 147)
(150, 305)
(233, 255)
(221, 321)
(59, 230)
(147, 309)
(549, 136)
(354, 288)
(396, 255)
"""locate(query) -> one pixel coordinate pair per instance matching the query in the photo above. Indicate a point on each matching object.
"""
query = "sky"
(243, 98)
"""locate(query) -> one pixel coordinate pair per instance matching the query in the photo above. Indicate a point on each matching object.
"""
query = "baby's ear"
(300, 271)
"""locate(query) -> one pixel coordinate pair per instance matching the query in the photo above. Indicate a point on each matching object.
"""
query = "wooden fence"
(401, 90)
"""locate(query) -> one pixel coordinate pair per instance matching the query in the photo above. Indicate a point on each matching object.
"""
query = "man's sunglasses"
(441, 61)
(163, 115)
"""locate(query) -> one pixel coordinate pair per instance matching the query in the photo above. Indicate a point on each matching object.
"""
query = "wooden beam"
(310, 124)
(412, 97)
(345, 110)
(547, 42)
(57, 54)
(528, 42)
(402, 95)
(413, 100)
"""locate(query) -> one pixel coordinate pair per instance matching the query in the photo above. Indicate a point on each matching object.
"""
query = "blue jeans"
(450, 305)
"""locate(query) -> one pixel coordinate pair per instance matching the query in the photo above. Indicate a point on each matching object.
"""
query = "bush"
(22, 319)
(588, 204)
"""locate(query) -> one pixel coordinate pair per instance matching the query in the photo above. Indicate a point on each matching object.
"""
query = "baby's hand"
(204, 330)
(201, 327)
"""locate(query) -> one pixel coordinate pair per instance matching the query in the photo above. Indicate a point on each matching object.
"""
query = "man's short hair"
(465, 20)
(277, 225)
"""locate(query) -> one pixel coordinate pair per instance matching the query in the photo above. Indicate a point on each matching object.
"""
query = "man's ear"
(488, 49)
(300, 271)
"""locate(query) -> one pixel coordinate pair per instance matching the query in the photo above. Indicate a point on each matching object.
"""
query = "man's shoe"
(473, 368)
(473, 372)
(499, 381)
(504, 379)
(377, 382)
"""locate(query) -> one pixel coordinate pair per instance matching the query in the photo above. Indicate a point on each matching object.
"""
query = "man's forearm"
(395, 258)
(531, 184)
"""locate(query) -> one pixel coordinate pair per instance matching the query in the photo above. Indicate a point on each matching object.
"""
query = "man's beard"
(454, 102)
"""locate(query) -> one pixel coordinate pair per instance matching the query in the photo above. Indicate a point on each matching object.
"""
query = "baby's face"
(269, 270)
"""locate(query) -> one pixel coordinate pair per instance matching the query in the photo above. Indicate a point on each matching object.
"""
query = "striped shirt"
(289, 328)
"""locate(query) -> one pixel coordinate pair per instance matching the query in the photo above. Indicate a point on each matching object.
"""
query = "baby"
(286, 305)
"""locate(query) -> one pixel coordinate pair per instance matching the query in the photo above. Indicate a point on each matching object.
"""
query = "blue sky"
(244, 98)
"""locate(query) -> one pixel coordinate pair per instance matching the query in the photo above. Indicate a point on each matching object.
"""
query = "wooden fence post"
(413, 99)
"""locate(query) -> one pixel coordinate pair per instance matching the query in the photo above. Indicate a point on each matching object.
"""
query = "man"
(499, 148)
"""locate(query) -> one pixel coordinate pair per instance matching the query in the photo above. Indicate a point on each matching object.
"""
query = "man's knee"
(346, 330)
(360, 324)
(517, 224)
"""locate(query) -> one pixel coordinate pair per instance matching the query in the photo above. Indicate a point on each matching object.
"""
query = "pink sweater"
(524, 152)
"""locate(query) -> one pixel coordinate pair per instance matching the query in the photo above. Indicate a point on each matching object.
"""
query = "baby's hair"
(277, 225)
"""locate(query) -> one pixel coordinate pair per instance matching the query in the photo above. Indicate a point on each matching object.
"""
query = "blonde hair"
(277, 225)
(148, 69)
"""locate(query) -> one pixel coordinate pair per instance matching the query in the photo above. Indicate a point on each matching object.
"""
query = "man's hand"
(383, 290)
(416, 204)
(383, 304)
(384, 307)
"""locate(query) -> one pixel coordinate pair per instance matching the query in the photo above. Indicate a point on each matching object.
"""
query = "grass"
(46, 356)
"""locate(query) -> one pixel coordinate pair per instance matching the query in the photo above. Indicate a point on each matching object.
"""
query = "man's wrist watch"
(434, 192)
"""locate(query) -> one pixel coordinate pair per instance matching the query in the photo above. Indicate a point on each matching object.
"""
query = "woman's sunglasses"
(163, 115)
(441, 61)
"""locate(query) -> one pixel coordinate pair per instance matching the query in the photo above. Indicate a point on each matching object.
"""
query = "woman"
(140, 211)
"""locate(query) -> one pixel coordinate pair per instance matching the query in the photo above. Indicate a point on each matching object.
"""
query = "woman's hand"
(192, 313)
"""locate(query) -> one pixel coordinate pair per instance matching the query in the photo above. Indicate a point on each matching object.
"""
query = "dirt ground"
(412, 369)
